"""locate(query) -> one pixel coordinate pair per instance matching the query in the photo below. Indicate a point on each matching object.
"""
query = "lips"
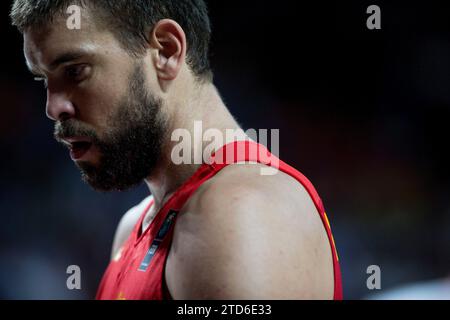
(78, 147)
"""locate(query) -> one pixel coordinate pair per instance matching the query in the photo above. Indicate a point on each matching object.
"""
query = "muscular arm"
(259, 239)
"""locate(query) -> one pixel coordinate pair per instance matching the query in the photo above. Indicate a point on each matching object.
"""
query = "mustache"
(73, 128)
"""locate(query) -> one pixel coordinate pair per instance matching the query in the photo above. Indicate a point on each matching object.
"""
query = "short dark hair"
(131, 22)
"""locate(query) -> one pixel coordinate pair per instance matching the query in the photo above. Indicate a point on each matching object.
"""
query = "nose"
(59, 107)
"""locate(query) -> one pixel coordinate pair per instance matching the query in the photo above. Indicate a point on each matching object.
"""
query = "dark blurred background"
(362, 113)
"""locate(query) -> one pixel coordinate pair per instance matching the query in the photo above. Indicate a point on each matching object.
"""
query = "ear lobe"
(170, 41)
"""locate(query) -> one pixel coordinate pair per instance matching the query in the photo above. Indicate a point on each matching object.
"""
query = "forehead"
(43, 44)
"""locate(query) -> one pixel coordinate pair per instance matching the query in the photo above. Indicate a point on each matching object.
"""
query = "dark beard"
(132, 147)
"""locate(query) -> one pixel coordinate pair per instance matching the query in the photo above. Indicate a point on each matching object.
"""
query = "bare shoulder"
(126, 225)
(247, 236)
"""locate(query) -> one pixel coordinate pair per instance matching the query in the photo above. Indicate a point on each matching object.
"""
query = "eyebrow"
(59, 60)
(66, 57)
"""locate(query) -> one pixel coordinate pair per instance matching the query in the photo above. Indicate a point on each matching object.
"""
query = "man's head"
(110, 83)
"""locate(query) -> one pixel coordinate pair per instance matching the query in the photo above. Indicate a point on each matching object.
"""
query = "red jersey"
(137, 273)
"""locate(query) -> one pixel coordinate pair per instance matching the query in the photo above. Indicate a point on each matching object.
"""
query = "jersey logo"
(158, 240)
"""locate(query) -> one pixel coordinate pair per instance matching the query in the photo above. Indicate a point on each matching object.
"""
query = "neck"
(206, 106)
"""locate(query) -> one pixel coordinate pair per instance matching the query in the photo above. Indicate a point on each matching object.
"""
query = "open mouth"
(79, 148)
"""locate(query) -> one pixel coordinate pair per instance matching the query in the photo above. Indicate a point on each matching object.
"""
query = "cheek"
(100, 96)
(96, 105)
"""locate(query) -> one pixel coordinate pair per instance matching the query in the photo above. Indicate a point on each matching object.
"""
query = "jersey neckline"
(210, 165)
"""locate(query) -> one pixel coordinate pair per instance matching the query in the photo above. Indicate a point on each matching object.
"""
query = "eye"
(42, 79)
(77, 72)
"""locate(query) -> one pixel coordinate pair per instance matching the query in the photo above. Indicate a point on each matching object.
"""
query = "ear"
(170, 41)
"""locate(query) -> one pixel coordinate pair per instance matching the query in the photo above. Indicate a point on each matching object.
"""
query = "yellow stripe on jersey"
(332, 238)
